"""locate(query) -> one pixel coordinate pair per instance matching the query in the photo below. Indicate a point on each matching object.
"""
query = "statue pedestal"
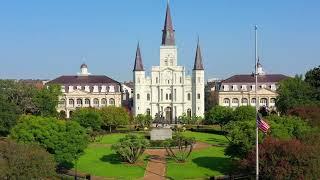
(160, 134)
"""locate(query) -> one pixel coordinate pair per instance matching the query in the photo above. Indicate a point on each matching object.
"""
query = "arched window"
(79, 101)
(226, 102)
(87, 101)
(148, 97)
(71, 102)
(111, 102)
(148, 112)
(189, 96)
(198, 96)
(96, 102)
(103, 101)
(235, 102)
(273, 100)
(138, 96)
(244, 101)
(253, 100)
(263, 102)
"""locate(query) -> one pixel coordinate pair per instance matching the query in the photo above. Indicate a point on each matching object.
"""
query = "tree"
(184, 119)
(47, 99)
(23, 161)
(179, 147)
(312, 77)
(241, 136)
(219, 115)
(283, 159)
(243, 113)
(88, 118)
(9, 114)
(19, 94)
(130, 148)
(142, 120)
(294, 92)
(288, 127)
(114, 116)
(65, 139)
(309, 113)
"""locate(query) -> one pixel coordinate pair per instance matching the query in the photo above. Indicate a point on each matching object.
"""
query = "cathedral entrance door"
(168, 111)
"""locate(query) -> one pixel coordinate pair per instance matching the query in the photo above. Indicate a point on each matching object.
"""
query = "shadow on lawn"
(218, 142)
(219, 164)
(111, 158)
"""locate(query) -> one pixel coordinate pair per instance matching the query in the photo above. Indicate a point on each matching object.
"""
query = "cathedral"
(169, 91)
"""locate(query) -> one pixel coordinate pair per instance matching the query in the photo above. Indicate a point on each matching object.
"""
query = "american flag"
(263, 126)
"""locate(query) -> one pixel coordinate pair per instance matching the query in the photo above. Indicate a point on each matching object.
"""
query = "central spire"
(168, 32)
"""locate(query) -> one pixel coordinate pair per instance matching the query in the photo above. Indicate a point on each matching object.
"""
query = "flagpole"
(257, 105)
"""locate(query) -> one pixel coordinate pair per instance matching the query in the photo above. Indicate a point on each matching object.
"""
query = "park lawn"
(99, 160)
(102, 161)
(200, 165)
(114, 137)
(214, 139)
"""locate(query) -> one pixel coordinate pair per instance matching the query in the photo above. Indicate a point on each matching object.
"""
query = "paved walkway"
(156, 168)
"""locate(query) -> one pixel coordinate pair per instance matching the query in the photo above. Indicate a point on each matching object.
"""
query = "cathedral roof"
(198, 59)
(85, 80)
(168, 32)
(138, 66)
(249, 78)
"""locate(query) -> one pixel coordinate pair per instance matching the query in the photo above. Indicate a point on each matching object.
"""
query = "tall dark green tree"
(313, 78)
(219, 115)
(294, 92)
(47, 99)
(9, 114)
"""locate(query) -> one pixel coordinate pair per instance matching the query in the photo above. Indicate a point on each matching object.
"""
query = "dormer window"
(226, 87)
(111, 88)
(234, 87)
(244, 87)
(273, 87)
(78, 87)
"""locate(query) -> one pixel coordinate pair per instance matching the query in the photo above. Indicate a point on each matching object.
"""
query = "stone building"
(239, 90)
(86, 90)
(168, 91)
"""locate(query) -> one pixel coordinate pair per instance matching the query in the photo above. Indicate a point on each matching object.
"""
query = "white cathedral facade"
(169, 91)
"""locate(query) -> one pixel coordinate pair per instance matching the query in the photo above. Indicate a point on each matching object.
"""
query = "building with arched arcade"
(239, 90)
(86, 90)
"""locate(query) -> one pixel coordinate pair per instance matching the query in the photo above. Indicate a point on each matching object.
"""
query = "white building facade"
(169, 90)
(86, 90)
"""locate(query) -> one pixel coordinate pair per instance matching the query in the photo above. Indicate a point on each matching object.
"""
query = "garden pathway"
(156, 168)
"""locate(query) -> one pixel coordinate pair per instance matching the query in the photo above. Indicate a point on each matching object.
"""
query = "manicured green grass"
(100, 160)
(114, 137)
(200, 165)
(214, 139)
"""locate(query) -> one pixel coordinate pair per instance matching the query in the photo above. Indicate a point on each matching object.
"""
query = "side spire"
(198, 59)
(138, 66)
(168, 32)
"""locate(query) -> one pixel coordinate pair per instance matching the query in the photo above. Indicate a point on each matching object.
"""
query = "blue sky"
(46, 39)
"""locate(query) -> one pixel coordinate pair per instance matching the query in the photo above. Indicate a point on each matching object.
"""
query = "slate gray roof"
(198, 59)
(138, 66)
(83, 80)
(248, 78)
(168, 32)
